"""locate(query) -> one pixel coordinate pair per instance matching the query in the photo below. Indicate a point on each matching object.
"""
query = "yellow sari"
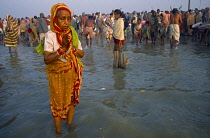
(65, 78)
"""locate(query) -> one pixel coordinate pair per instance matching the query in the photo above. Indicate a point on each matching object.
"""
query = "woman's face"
(63, 19)
(116, 16)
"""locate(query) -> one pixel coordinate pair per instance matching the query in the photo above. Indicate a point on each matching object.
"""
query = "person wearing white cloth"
(51, 38)
(174, 33)
(118, 30)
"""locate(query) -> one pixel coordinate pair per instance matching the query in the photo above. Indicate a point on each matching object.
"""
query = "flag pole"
(188, 5)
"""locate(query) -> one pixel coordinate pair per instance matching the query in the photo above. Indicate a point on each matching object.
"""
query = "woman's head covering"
(54, 27)
(55, 8)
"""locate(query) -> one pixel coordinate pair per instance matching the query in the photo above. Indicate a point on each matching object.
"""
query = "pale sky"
(24, 8)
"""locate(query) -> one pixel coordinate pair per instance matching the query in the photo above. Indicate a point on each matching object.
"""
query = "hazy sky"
(23, 8)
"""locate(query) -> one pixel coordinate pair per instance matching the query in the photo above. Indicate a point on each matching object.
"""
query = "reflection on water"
(8, 122)
(14, 61)
(163, 92)
(119, 79)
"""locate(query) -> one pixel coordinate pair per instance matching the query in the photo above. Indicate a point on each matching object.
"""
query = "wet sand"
(163, 92)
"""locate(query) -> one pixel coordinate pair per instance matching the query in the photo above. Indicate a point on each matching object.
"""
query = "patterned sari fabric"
(65, 78)
(11, 38)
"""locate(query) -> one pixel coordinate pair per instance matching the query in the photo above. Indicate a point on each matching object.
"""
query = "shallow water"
(163, 92)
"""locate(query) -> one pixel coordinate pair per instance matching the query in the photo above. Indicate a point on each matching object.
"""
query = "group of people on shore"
(143, 26)
(28, 29)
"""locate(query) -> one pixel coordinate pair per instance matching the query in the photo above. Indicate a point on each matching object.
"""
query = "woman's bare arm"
(50, 57)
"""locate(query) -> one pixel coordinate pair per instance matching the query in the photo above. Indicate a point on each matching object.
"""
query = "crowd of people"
(62, 48)
(143, 26)
(29, 29)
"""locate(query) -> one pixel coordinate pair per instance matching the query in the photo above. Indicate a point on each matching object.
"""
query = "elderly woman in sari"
(62, 50)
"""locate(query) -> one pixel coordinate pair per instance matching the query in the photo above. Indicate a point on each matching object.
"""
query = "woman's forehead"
(63, 12)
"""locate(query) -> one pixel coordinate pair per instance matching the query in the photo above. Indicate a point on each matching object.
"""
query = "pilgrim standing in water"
(119, 39)
(138, 31)
(174, 31)
(11, 39)
(89, 26)
(62, 53)
(163, 27)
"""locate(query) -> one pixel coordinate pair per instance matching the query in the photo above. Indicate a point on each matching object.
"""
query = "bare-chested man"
(83, 22)
(89, 26)
(175, 21)
(163, 27)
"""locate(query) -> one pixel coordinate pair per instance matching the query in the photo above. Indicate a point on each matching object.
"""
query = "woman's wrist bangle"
(75, 50)
(59, 52)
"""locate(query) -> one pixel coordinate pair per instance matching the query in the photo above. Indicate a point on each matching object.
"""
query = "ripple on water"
(8, 122)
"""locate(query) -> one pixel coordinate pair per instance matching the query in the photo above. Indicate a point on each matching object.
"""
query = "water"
(163, 92)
